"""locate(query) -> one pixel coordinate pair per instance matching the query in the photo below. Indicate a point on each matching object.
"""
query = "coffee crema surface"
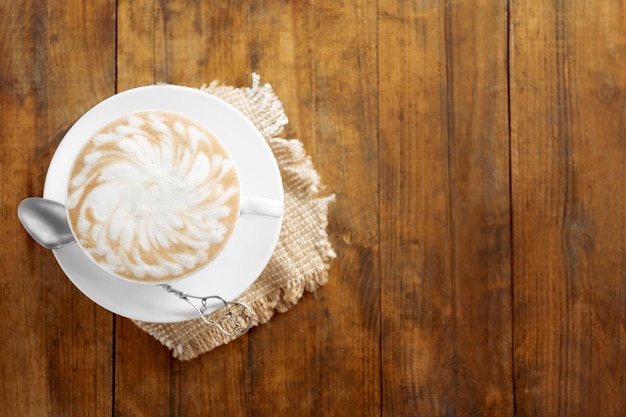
(153, 196)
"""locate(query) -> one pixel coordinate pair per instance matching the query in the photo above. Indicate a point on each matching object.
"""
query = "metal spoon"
(46, 222)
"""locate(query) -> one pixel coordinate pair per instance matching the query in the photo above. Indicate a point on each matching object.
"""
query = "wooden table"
(477, 151)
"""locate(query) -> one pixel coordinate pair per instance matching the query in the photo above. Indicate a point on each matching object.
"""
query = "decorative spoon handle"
(237, 317)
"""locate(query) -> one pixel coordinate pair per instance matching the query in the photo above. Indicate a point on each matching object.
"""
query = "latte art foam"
(153, 196)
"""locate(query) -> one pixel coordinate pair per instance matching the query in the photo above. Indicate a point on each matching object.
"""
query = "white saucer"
(251, 244)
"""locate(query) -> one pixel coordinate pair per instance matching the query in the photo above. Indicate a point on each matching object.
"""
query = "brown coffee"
(153, 196)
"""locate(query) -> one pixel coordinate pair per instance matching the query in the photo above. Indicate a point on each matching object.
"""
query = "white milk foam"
(153, 196)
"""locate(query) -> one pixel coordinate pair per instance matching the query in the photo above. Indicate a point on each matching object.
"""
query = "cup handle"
(266, 207)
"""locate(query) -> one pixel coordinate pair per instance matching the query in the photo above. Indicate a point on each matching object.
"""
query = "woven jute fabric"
(303, 254)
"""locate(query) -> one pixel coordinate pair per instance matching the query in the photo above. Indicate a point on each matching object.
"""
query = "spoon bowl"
(46, 222)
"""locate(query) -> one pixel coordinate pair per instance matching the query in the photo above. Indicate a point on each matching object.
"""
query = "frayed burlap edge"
(303, 254)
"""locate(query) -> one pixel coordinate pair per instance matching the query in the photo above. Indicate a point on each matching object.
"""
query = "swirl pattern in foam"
(153, 196)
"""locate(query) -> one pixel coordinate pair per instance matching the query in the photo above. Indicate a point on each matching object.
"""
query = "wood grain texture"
(476, 152)
(567, 130)
(57, 347)
(445, 217)
(344, 73)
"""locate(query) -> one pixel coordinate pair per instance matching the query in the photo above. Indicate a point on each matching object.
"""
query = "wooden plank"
(567, 130)
(345, 78)
(480, 228)
(57, 350)
(445, 220)
(140, 58)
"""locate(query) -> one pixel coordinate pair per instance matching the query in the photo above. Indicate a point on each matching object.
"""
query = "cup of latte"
(154, 197)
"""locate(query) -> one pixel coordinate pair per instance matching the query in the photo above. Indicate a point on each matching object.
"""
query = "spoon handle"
(235, 321)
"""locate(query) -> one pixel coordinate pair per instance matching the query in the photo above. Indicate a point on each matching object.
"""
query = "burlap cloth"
(303, 254)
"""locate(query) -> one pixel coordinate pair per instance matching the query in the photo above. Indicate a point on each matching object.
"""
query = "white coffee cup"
(154, 197)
